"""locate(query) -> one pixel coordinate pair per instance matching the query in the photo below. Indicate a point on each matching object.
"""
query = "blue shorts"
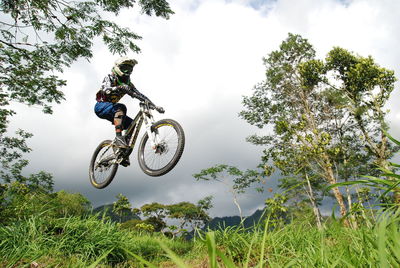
(107, 110)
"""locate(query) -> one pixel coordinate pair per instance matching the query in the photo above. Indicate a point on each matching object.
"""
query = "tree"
(122, 206)
(365, 87)
(27, 196)
(71, 204)
(40, 38)
(156, 214)
(240, 183)
(301, 189)
(21, 201)
(313, 127)
(137, 225)
(190, 214)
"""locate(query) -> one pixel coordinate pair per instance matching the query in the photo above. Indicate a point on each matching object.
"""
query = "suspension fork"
(151, 132)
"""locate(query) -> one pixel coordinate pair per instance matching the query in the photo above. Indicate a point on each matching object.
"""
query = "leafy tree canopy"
(122, 206)
(325, 118)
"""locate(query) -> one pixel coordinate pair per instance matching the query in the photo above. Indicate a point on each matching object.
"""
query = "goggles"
(126, 68)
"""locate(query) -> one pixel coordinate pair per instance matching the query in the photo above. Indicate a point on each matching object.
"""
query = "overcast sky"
(198, 65)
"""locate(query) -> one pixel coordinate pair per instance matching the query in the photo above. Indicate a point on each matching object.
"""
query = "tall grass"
(79, 241)
(302, 245)
(89, 242)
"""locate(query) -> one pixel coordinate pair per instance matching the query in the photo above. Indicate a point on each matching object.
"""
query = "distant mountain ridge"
(229, 221)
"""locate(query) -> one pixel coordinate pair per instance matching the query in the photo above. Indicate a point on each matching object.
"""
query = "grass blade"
(228, 263)
(382, 243)
(178, 261)
(143, 261)
(261, 264)
(210, 240)
(93, 265)
(246, 263)
(391, 138)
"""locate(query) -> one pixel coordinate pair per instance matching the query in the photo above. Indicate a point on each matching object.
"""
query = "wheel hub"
(161, 148)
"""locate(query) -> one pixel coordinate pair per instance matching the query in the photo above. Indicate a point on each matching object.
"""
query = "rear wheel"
(103, 165)
(160, 159)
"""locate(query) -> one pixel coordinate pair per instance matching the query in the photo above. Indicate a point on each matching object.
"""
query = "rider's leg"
(123, 122)
(119, 109)
(118, 118)
(116, 114)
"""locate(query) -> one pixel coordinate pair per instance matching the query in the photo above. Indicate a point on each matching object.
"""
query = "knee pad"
(119, 114)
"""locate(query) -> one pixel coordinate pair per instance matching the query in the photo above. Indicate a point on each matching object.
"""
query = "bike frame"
(145, 117)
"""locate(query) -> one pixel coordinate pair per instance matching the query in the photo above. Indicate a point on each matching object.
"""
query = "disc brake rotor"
(161, 148)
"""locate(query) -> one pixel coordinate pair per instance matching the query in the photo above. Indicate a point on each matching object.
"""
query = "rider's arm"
(134, 93)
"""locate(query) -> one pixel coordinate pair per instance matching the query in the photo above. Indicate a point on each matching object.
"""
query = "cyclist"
(113, 88)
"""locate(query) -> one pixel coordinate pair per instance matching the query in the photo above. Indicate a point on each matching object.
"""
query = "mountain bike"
(159, 151)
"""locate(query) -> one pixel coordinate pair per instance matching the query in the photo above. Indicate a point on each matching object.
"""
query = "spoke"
(167, 135)
(155, 161)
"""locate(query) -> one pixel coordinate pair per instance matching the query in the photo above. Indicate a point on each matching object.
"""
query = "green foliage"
(106, 211)
(242, 180)
(122, 206)
(188, 213)
(156, 214)
(20, 201)
(388, 187)
(138, 225)
(63, 32)
(71, 236)
(276, 209)
(366, 87)
(71, 204)
(325, 117)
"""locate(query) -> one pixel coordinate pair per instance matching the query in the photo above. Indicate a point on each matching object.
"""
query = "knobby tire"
(175, 129)
(113, 169)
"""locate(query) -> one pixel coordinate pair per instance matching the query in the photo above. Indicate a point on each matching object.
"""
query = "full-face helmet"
(124, 66)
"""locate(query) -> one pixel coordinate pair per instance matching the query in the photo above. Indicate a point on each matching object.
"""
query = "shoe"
(120, 142)
(125, 162)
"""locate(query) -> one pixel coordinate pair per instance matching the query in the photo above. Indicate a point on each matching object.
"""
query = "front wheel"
(103, 165)
(158, 159)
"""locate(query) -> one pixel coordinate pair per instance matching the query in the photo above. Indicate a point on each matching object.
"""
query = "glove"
(160, 109)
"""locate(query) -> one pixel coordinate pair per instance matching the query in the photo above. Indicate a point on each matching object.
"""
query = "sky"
(198, 65)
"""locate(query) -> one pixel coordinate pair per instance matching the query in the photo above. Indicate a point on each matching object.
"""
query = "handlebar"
(150, 106)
